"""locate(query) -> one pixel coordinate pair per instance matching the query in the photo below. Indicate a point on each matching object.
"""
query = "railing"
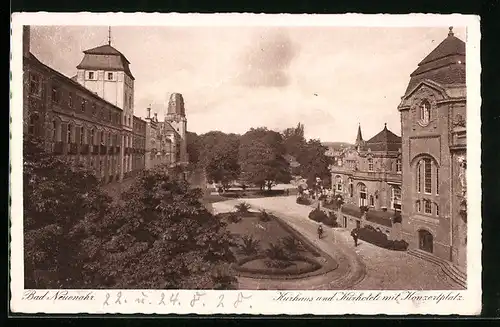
(378, 175)
(341, 169)
(58, 148)
(73, 148)
(84, 149)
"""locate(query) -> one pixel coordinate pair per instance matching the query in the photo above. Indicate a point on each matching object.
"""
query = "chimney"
(26, 40)
(156, 117)
(149, 112)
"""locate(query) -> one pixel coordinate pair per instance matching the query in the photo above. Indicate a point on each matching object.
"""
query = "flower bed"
(256, 265)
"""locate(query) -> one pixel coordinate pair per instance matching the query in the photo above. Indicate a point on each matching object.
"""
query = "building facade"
(90, 119)
(368, 176)
(433, 116)
(158, 146)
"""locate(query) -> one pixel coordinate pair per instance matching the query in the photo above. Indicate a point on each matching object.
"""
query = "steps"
(450, 270)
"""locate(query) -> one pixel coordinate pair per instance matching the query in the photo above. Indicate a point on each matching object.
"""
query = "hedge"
(371, 235)
(303, 200)
(314, 265)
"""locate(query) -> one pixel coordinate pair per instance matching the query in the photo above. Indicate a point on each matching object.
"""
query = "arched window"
(351, 188)
(92, 137)
(370, 164)
(424, 113)
(437, 180)
(396, 198)
(102, 137)
(362, 194)
(398, 165)
(418, 207)
(82, 134)
(338, 182)
(427, 207)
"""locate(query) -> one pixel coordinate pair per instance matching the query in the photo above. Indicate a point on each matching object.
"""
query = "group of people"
(354, 234)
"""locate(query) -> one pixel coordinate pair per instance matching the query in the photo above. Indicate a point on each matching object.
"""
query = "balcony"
(378, 176)
(58, 148)
(84, 149)
(95, 149)
(103, 149)
(73, 148)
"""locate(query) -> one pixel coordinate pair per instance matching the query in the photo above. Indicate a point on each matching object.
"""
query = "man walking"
(355, 236)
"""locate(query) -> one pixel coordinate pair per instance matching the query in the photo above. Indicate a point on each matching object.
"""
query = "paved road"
(385, 269)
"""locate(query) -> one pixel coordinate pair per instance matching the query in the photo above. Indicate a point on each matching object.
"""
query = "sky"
(233, 78)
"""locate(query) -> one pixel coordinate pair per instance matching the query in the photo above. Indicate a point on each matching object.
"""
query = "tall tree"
(219, 156)
(261, 156)
(313, 162)
(193, 147)
(294, 140)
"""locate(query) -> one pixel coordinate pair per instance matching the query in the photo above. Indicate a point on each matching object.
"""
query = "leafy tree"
(61, 202)
(162, 237)
(314, 163)
(193, 147)
(294, 140)
(261, 156)
(219, 157)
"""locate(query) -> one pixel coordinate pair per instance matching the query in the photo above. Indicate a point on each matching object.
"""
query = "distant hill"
(337, 145)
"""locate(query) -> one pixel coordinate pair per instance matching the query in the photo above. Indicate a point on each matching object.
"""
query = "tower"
(359, 139)
(176, 117)
(105, 71)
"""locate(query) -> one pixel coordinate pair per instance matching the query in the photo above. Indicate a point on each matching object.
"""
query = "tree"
(162, 237)
(314, 163)
(219, 157)
(62, 200)
(261, 157)
(193, 147)
(294, 140)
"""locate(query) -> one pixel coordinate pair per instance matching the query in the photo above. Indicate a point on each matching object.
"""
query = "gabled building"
(433, 116)
(369, 175)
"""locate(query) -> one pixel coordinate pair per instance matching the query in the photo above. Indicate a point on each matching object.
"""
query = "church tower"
(105, 71)
(359, 139)
(176, 117)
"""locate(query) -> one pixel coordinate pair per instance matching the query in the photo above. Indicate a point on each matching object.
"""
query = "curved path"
(385, 269)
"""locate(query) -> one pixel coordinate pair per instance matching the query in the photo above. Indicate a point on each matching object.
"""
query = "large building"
(433, 115)
(368, 175)
(90, 118)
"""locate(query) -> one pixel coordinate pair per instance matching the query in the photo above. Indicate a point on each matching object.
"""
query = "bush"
(249, 245)
(276, 252)
(279, 264)
(331, 220)
(303, 200)
(242, 207)
(233, 217)
(371, 235)
(264, 216)
(292, 245)
(223, 280)
(318, 215)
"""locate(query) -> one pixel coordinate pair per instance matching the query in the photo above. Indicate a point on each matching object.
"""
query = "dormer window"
(424, 113)
(110, 76)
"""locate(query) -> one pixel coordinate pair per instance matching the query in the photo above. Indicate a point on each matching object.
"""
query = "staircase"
(450, 270)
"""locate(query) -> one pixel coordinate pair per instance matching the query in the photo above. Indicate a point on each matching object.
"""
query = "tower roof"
(359, 137)
(444, 65)
(105, 57)
(176, 104)
(385, 140)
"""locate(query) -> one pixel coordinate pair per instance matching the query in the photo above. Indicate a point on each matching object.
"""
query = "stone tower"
(359, 139)
(176, 117)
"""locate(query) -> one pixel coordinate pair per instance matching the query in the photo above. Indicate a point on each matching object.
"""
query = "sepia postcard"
(245, 164)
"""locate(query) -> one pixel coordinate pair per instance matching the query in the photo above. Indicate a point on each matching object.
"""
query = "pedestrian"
(355, 236)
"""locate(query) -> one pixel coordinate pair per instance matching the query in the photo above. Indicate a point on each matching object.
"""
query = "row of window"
(427, 177)
(92, 76)
(427, 207)
(352, 164)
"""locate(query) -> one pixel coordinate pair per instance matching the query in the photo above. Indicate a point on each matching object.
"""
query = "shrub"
(279, 264)
(264, 216)
(249, 245)
(363, 209)
(276, 252)
(292, 245)
(378, 238)
(397, 218)
(318, 215)
(242, 207)
(331, 220)
(223, 280)
(233, 217)
(303, 200)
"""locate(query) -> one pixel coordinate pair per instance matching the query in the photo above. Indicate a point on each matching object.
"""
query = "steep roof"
(385, 140)
(444, 65)
(105, 57)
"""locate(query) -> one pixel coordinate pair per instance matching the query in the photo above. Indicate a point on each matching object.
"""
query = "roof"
(71, 81)
(444, 65)
(168, 128)
(105, 57)
(385, 140)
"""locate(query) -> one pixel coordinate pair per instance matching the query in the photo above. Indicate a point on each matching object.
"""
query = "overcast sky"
(233, 78)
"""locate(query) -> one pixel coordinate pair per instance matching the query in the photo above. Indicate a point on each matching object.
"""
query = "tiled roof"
(385, 140)
(444, 65)
(105, 57)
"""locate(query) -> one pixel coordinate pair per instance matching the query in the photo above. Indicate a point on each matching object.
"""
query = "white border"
(260, 302)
